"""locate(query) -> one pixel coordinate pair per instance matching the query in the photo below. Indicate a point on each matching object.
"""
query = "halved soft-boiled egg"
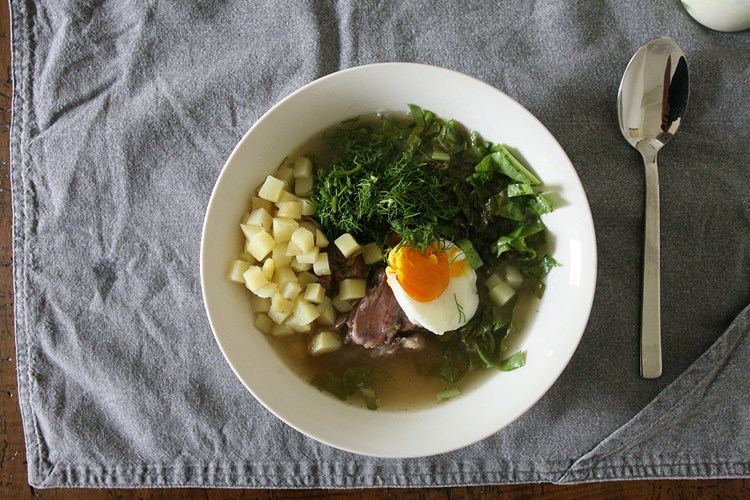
(437, 289)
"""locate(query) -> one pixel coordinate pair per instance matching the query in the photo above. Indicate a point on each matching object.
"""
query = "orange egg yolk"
(424, 276)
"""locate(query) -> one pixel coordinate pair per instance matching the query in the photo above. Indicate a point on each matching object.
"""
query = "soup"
(391, 258)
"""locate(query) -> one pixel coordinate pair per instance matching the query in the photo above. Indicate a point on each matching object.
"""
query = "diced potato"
(264, 323)
(501, 293)
(250, 230)
(247, 258)
(269, 266)
(291, 290)
(260, 245)
(341, 305)
(271, 189)
(258, 202)
(245, 216)
(281, 308)
(296, 326)
(254, 278)
(260, 304)
(347, 245)
(267, 290)
(492, 280)
(307, 207)
(283, 227)
(260, 217)
(325, 341)
(286, 174)
(352, 289)
(305, 278)
(321, 266)
(305, 311)
(321, 240)
(314, 292)
(236, 269)
(291, 209)
(303, 168)
(300, 266)
(327, 314)
(282, 330)
(513, 276)
(309, 257)
(303, 239)
(372, 253)
(309, 225)
(302, 187)
(279, 256)
(287, 196)
(283, 276)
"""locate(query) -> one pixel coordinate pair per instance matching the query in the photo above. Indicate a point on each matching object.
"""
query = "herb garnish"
(429, 180)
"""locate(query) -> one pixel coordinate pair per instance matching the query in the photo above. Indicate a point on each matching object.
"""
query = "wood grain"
(13, 478)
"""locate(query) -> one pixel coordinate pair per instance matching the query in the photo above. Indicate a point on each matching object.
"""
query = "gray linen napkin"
(124, 113)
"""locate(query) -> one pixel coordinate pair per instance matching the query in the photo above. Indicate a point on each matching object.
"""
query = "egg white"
(450, 310)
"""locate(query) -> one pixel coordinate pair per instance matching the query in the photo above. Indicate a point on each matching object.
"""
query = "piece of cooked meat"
(377, 318)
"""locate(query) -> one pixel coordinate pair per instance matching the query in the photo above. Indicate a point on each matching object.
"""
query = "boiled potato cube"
(245, 216)
(492, 280)
(282, 330)
(325, 341)
(304, 239)
(341, 305)
(284, 275)
(280, 309)
(279, 256)
(291, 209)
(247, 258)
(287, 196)
(303, 168)
(372, 253)
(268, 267)
(236, 269)
(321, 240)
(260, 244)
(260, 304)
(327, 314)
(501, 293)
(347, 245)
(305, 278)
(267, 290)
(302, 187)
(321, 266)
(271, 189)
(307, 207)
(263, 323)
(296, 326)
(260, 217)
(314, 292)
(300, 266)
(352, 289)
(305, 311)
(291, 290)
(250, 230)
(283, 227)
(513, 276)
(309, 257)
(258, 202)
(254, 278)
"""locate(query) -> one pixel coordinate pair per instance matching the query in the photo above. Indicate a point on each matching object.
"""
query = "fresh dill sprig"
(374, 186)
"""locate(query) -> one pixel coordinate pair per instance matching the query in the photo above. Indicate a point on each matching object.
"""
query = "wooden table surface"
(13, 478)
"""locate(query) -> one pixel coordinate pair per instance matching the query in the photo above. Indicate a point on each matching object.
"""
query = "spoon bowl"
(651, 102)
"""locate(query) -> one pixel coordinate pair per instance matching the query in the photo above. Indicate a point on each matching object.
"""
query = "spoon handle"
(651, 366)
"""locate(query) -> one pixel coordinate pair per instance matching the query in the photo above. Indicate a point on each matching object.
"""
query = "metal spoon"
(650, 105)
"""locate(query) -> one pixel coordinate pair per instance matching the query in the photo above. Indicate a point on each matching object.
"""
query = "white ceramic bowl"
(552, 335)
